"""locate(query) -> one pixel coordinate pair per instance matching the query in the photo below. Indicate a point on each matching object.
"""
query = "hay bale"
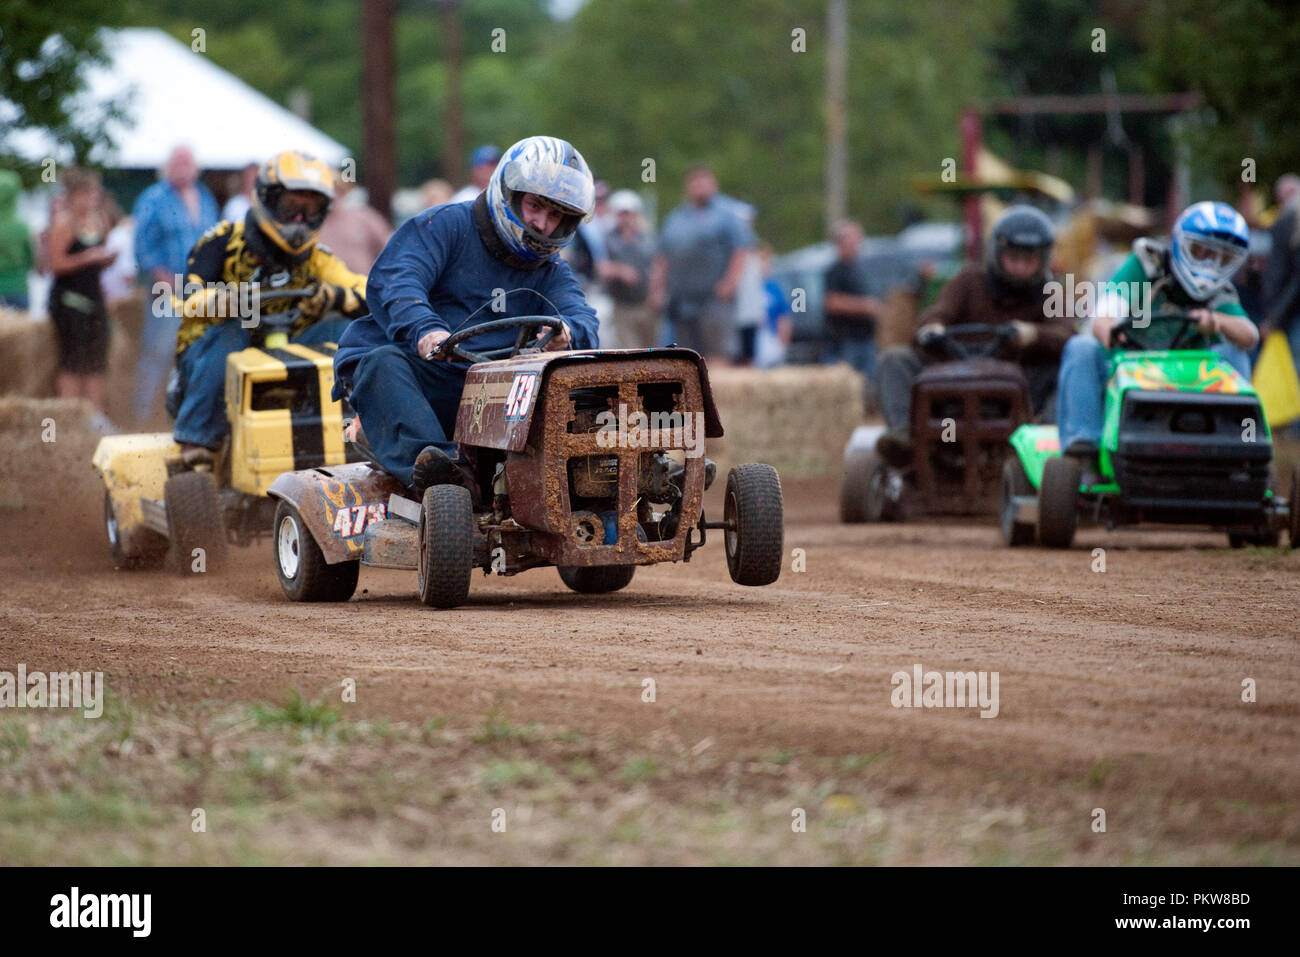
(29, 355)
(795, 418)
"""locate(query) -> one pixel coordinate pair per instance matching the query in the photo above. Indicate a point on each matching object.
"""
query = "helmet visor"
(1211, 254)
(301, 206)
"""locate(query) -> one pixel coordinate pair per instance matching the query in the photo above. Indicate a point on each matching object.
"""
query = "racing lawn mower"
(1184, 442)
(281, 417)
(557, 479)
(963, 411)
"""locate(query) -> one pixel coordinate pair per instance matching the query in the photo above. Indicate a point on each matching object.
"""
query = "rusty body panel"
(560, 434)
(986, 400)
(499, 398)
(337, 503)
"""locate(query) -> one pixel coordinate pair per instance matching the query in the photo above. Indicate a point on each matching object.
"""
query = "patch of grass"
(497, 727)
(580, 769)
(638, 768)
(13, 738)
(1098, 773)
(499, 774)
(856, 762)
(780, 758)
(313, 715)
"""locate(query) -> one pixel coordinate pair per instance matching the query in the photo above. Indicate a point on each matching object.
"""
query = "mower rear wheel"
(1265, 539)
(1015, 483)
(863, 497)
(194, 523)
(300, 565)
(446, 545)
(1058, 502)
(1293, 524)
(755, 533)
(597, 580)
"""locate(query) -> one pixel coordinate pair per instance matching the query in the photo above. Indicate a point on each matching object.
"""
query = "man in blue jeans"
(452, 267)
(273, 248)
(170, 217)
(1190, 272)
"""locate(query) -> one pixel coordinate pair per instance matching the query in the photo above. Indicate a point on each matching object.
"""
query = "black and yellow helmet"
(292, 223)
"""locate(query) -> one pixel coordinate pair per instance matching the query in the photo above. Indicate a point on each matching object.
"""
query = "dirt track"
(1120, 690)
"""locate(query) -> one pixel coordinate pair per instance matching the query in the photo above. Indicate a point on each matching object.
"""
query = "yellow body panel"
(261, 440)
(134, 467)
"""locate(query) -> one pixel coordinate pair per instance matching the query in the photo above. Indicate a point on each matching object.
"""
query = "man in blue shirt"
(170, 216)
(457, 266)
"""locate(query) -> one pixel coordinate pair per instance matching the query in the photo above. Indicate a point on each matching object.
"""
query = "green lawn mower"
(1184, 442)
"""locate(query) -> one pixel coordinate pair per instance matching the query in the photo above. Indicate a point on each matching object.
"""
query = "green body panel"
(1183, 370)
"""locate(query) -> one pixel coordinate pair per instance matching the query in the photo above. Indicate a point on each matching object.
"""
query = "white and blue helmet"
(1209, 244)
(553, 170)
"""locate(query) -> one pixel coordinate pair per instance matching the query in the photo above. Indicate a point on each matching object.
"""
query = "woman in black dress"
(77, 257)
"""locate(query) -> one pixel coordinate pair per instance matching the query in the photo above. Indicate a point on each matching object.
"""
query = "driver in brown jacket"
(1008, 290)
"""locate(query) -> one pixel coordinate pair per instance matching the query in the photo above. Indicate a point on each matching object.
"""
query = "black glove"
(325, 296)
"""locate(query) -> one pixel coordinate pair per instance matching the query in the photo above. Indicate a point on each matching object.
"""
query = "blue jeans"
(14, 300)
(405, 403)
(860, 353)
(201, 419)
(157, 347)
(1081, 392)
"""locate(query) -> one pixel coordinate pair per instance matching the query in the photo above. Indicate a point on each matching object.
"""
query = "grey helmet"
(553, 170)
(1025, 227)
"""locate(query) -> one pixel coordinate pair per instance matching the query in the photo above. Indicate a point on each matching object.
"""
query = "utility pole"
(454, 131)
(837, 39)
(378, 102)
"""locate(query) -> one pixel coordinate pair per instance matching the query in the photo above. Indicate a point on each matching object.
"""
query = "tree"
(1241, 54)
(45, 49)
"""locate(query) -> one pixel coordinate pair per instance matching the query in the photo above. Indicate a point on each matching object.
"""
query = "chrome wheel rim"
(287, 547)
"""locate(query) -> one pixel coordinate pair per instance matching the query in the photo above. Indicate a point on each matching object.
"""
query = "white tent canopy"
(175, 96)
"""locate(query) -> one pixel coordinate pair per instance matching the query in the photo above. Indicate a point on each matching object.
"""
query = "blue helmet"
(551, 169)
(1209, 244)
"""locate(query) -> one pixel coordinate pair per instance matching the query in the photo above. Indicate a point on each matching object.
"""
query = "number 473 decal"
(351, 519)
(521, 396)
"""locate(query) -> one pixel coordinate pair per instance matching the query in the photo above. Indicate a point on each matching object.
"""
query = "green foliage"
(679, 81)
(1241, 54)
(45, 49)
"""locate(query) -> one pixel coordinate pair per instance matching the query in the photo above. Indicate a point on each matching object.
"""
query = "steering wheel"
(974, 340)
(527, 326)
(279, 322)
(1122, 331)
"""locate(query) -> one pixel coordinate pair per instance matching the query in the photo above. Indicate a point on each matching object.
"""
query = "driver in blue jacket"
(452, 267)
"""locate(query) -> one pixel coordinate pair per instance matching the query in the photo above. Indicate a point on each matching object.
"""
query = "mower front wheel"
(1015, 483)
(755, 528)
(300, 565)
(1058, 502)
(446, 545)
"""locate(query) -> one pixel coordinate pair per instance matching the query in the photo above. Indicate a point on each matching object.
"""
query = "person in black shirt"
(851, 312)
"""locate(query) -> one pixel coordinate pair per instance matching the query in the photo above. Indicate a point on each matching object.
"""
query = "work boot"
(1086, 452)
(432, 467)
(197, 456)
(895, 447)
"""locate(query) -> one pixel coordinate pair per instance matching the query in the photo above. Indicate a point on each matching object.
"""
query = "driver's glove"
(1026, 332)
(929, 334)
(325, 296)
